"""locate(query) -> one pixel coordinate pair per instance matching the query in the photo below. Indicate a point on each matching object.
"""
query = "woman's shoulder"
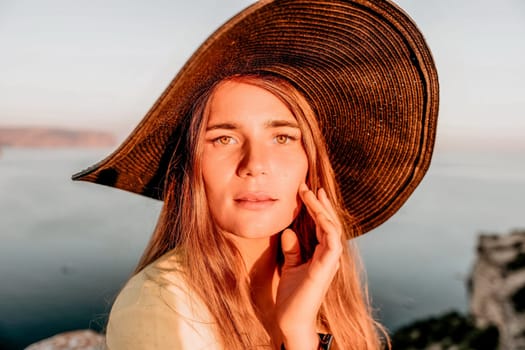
(162, 280)
(157, 310)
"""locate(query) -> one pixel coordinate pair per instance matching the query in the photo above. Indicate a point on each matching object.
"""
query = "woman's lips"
(255, 201)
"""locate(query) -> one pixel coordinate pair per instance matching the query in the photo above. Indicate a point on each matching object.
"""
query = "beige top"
(157, 310)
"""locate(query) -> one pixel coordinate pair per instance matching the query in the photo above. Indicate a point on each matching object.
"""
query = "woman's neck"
(260, 259)
(258, 254)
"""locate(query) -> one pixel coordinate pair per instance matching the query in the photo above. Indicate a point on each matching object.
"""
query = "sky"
(101, 64)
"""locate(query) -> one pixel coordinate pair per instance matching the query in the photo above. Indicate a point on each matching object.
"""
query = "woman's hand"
(303, 286)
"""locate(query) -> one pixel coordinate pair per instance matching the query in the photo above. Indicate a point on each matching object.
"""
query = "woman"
(297, 126)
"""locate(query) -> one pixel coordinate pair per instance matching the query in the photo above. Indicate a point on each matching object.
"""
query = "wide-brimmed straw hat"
(364, 67)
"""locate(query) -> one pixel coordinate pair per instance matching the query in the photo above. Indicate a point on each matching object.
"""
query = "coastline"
(47, 137)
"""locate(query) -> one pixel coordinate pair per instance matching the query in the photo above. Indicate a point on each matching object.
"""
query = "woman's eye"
(224, 140)
(283, 139)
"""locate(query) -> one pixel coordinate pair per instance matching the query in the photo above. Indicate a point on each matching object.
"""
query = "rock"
(497, 304)
(74, 340)
(450, 331)
(497, 287)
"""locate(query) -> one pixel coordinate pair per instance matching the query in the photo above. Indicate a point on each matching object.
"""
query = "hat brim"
(363, 66)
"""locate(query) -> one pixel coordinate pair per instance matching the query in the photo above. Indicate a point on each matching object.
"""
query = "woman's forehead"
(238, 102)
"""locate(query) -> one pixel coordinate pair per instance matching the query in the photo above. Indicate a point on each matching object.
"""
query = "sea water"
(66, 248)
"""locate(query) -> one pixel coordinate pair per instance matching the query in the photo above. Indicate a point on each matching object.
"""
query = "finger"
(316, 207)
(329, 233)
(312, 204)
(327, 255)
(291, 249)
(323, 198)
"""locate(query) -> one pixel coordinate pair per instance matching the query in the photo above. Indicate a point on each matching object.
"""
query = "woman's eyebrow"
(228, 126)
(276, 123)
(273, 123)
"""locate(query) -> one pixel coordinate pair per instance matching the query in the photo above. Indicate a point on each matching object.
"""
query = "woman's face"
(253, 161)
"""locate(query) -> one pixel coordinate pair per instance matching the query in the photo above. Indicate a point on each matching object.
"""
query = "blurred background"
(95, 67)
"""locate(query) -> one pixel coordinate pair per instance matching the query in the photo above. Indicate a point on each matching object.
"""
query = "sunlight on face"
(253, 161)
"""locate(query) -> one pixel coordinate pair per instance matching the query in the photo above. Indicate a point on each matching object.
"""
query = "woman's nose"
(255, 161)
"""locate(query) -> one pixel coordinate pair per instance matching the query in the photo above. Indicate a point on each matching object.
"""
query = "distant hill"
(53, 137)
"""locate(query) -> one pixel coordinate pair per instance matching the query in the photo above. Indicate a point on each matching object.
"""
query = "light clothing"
(157, 310)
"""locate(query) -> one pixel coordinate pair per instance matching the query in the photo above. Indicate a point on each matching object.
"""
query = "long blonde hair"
(217, 273)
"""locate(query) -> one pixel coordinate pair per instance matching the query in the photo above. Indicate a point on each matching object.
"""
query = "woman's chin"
(256, 232)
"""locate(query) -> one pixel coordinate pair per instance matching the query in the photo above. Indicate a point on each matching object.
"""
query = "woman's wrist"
(300, 341)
